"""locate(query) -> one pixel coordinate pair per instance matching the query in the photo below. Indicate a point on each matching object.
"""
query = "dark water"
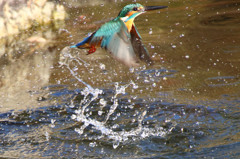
(67, 104)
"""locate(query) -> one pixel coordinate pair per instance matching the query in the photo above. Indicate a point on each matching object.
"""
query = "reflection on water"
(186, 105)
(22, 75)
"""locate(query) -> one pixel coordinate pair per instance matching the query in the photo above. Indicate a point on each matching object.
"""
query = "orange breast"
(129, 24)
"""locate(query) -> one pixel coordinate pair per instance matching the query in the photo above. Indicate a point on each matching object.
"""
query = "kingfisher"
(120, 37)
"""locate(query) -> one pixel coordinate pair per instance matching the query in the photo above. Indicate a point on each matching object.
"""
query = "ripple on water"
(222, 81)
(138, 126)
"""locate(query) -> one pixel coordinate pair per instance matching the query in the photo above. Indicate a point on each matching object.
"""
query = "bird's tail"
(83, 43)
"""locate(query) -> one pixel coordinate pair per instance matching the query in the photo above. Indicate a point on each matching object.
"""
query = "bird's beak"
(148, 8)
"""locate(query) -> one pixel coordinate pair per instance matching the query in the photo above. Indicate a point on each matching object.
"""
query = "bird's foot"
(91, 50)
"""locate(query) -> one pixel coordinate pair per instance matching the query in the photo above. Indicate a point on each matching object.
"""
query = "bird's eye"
(135, 8)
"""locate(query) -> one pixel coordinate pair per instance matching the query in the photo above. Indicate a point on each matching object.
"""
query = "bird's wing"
(115, 38)
(83, 44)
(138, 46)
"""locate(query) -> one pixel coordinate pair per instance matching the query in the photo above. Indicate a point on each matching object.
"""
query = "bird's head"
(133, 10)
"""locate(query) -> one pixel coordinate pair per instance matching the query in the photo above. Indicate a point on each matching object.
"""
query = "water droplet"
(73, 116)
(92, 144)
(115, 145)
(102, 66)
(47, 135)
(135, 86)
(52, 123)
(100, 112)
(79, 131)
(115, 126)
(103, 102)
(131, 70)
(181, 35)
(157, 74)
(146, 81)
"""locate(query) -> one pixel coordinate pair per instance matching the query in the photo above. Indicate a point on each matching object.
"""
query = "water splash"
(66, 58)
(109, 112)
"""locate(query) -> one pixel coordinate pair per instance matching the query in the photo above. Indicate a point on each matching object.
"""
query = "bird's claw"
(91, 50)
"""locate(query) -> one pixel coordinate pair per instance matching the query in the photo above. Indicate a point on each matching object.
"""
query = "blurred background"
(186, 105)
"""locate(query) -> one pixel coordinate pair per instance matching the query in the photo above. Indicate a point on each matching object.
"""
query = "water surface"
(68, 104)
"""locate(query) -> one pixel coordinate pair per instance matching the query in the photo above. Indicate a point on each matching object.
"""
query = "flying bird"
(120, 37)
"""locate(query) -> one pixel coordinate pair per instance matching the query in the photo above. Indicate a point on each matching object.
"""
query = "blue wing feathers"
(85, 40)
(116, 39)
(103, 34)
(106, 32)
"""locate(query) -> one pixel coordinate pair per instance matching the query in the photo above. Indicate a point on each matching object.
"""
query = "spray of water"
(91, 95)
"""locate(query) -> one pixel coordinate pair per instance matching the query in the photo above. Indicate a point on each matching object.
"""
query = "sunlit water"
(90, 106)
